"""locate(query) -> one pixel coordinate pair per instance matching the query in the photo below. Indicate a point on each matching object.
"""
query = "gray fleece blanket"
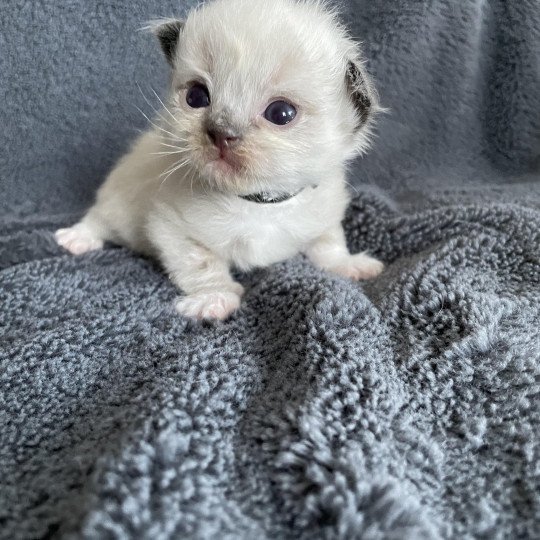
(402, 408)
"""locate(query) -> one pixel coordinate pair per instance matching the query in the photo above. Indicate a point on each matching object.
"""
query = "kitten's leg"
(87, 235)
(330, 252)
(211, 292)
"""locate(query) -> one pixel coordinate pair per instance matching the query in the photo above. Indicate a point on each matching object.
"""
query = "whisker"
(163, 105)
(155, 125)
(353, 187)
(192, 175)
(170, 173)
(153, 108)
(173, 146)
(177, 165)
(177, 142)
(167, 153)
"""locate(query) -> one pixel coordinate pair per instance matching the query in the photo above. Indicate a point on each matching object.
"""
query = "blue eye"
(280, 113)
(197, 96)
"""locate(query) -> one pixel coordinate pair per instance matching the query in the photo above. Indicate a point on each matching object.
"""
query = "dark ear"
(360, 92)
(168, 33)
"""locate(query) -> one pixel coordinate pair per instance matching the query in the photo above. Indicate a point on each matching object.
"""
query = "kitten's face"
(260, 95)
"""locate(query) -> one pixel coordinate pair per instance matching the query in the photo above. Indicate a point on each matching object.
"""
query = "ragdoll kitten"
(245, 165)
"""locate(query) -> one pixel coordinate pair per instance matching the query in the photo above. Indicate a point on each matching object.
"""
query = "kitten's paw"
(359, 266)
(77, 239)
(211, 305)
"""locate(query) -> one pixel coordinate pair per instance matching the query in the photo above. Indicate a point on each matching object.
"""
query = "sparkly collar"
(266, 198)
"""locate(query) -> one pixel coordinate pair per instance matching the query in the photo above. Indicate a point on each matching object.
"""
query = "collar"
(266, 198)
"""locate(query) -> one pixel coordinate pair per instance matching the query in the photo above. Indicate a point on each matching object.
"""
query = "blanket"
(401, 408)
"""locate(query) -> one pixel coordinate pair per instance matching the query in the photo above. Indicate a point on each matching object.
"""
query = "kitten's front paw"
(359, 266)
(211, 305)
(77, 239)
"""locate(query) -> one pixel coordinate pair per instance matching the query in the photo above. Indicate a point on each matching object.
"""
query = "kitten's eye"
(197, 96)
(280, 113)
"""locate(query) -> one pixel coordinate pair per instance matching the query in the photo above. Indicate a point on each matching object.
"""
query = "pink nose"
(222, 139)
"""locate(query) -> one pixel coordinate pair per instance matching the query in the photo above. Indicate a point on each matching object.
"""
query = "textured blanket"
(402, 408)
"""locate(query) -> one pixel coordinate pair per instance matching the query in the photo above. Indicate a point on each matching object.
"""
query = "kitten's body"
(190, 214)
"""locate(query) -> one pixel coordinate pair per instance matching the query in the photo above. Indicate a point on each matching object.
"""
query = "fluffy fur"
(175, 197)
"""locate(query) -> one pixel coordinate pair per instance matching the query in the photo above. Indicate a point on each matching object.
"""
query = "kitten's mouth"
(225, 161)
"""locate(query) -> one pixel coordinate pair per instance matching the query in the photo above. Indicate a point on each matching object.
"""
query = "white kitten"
(245, 165)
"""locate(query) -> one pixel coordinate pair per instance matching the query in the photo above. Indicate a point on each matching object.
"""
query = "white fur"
(171, 198)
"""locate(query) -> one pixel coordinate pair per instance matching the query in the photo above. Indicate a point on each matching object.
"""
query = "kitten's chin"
(226, 175)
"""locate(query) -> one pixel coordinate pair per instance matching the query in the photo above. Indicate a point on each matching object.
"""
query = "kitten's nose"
(223, 138)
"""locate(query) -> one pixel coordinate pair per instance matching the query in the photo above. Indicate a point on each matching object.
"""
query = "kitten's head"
(267, 95)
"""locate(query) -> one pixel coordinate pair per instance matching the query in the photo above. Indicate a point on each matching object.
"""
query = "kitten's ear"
(168, 33)
(361, 92)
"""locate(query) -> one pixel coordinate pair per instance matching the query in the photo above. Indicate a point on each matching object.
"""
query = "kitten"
(245, 165)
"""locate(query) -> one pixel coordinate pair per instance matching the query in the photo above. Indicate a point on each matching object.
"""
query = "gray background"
(461, 80)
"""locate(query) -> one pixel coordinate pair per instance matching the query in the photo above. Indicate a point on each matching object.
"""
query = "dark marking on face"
(358, 91)
(168, 34)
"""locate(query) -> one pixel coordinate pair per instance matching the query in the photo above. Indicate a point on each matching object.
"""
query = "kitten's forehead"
(250, 45)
